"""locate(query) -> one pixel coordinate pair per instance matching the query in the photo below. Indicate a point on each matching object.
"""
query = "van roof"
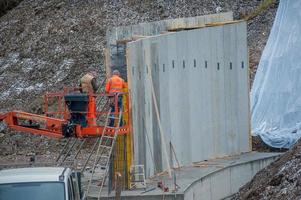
(35, 174)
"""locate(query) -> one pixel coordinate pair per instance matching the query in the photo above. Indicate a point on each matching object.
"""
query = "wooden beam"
(203, 26)
(107, 63)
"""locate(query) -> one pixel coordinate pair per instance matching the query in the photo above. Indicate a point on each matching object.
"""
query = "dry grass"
(260, 9)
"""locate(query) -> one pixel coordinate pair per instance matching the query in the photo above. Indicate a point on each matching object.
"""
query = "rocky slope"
(6, 5)
(281, 180)
(46, 44)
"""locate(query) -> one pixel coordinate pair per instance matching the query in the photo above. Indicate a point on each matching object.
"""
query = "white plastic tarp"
(276, 91)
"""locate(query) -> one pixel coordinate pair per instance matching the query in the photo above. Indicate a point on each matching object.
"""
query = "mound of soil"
(280, 180)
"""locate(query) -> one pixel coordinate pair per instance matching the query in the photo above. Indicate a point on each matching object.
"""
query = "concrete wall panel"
(200, 79)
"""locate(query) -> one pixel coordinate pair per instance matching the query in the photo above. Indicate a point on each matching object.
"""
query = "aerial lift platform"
(81, 117)
(70, 120)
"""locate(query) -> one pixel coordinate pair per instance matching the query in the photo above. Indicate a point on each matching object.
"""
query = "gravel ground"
(281, 180)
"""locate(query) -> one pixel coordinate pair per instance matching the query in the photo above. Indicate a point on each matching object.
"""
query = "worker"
(114, 86)
(88, 84)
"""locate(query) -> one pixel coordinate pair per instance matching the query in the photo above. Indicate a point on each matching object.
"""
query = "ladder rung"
(97, 174)
(104, 156)
(110, 137)
(113, 117)
(98, 185)
(138, 182)
(111, 126)
(108, 147)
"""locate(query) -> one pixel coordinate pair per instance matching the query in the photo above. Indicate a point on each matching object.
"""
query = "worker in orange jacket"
(114, 86)
(88, 84)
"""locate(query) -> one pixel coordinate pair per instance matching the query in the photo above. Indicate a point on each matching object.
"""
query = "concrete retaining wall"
(207, 182)
(201, 83)
(225, 182)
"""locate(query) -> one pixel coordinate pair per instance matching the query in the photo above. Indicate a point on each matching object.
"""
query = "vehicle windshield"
(32, 191)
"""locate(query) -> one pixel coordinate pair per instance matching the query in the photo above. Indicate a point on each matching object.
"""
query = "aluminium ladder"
(137, 179)
(105, 148)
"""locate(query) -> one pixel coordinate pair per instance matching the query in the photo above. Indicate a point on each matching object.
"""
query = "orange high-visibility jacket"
(115, 84)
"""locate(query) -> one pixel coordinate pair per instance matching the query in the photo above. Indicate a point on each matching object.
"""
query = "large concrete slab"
(200, 79)
(207, 180)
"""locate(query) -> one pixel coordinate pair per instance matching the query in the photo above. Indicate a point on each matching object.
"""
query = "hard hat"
(116, 72)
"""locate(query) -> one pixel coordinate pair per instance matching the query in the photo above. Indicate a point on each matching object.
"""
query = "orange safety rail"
(91, 130)
(61, 109)
(2, 116)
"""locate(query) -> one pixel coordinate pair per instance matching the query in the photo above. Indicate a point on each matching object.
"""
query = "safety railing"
(55, 104)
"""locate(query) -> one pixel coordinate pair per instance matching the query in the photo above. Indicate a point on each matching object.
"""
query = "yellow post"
(123, 148)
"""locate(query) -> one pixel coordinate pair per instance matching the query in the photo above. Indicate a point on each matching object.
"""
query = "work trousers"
(119, 104)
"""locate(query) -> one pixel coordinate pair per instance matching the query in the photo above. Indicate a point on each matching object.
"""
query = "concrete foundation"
(208, 180)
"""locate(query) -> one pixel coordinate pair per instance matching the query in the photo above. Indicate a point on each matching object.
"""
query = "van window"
(33, 191)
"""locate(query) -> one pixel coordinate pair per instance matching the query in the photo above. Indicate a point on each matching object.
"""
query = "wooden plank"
(204, 26)
(133, 38)
(107, 62)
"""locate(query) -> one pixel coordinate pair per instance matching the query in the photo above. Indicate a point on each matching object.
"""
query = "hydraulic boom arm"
(32, 123)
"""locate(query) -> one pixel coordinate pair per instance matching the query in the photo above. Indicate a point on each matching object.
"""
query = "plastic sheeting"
(276, 92)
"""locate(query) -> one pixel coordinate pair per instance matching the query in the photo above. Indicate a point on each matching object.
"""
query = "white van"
(40, 183)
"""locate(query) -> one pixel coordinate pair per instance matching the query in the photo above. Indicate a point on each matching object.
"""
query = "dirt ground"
(260, 146)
